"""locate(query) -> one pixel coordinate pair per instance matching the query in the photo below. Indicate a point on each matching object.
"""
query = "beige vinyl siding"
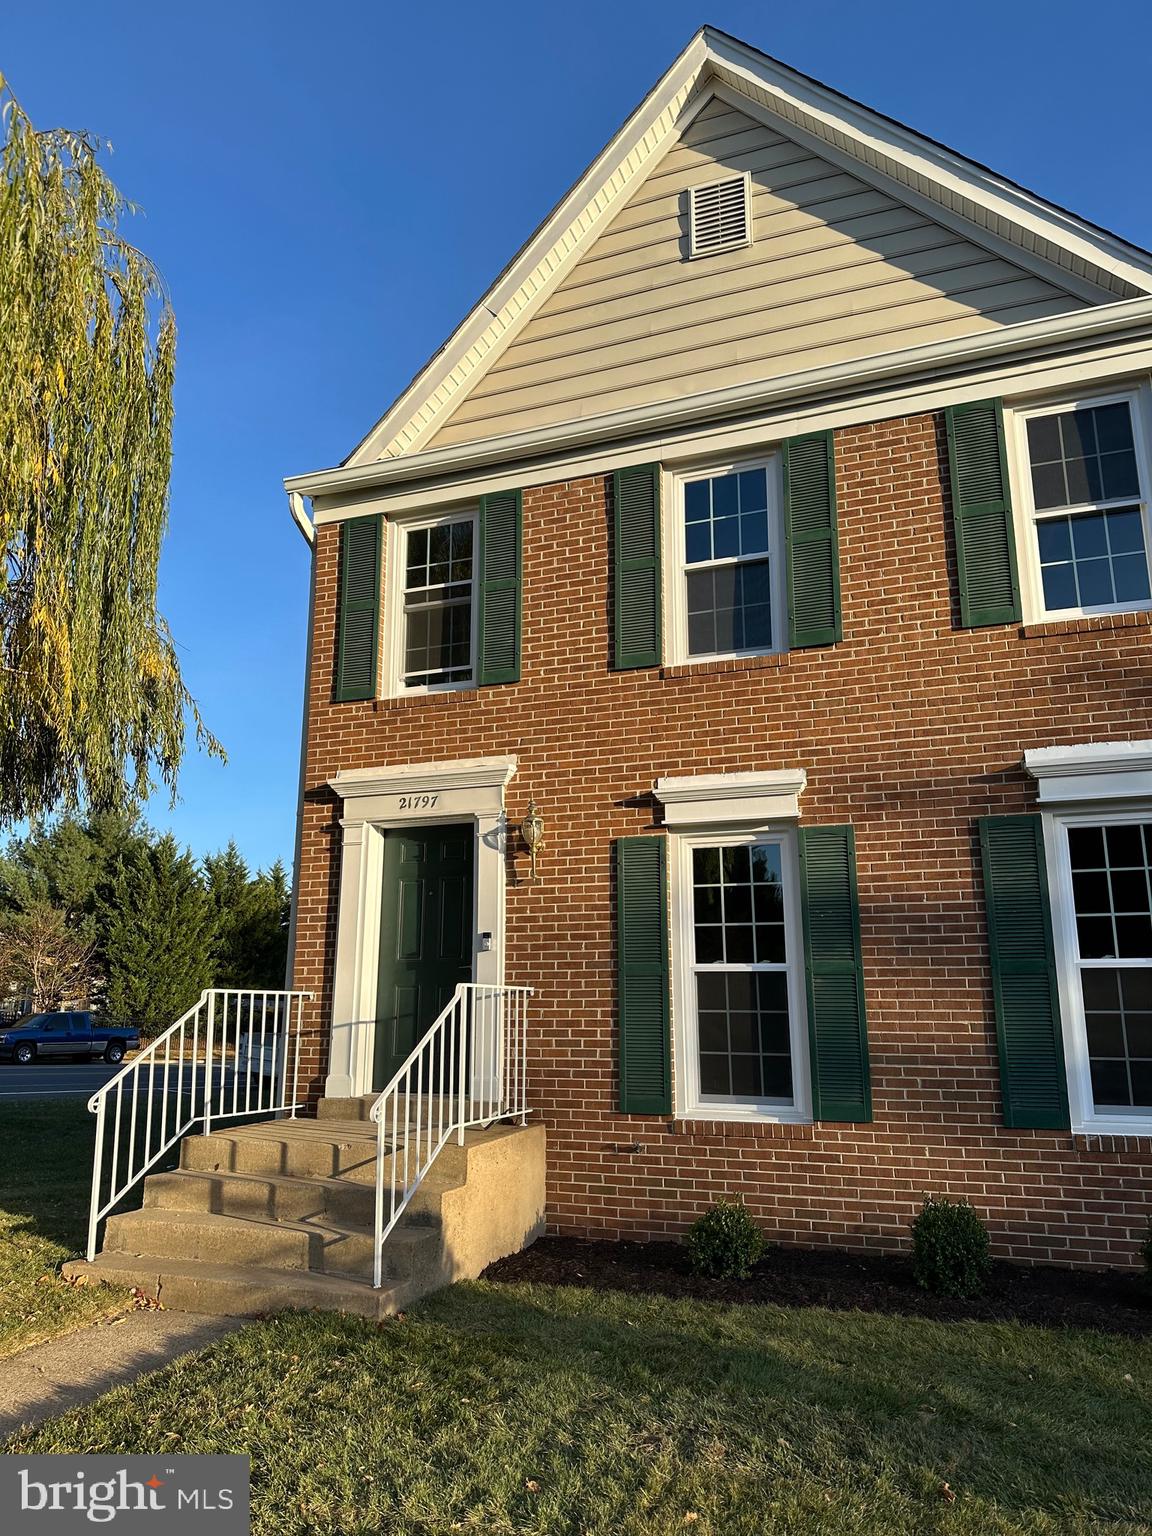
(837, 269)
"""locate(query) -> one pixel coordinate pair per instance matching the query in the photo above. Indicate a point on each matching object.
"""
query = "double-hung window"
(740, 978)
(1086, 508)
(434, 634)
(1106, 869)
(728, 565)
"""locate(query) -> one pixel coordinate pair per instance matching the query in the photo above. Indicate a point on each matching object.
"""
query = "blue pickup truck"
(54, 1036)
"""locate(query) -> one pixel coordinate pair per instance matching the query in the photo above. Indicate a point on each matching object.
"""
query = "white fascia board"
(914, 159)
(1091, 773)
(731, 799)
(930, 360)
(554, 246)
(1057, 374)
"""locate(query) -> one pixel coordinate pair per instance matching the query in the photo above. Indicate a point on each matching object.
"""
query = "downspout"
(304, 523)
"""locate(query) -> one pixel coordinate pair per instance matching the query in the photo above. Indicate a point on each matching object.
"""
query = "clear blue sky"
(329, 188)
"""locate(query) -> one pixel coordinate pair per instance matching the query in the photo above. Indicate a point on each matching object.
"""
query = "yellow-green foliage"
(92, 703)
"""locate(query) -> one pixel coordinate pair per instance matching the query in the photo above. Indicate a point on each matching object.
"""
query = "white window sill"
(1114, 1125)
(747, 1114)
(435, 692)
(1066, 615)
(715, 658)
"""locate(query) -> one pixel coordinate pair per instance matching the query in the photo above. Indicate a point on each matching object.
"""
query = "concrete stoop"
(261, 1218)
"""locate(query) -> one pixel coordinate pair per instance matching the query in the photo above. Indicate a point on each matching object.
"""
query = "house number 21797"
(418, 802)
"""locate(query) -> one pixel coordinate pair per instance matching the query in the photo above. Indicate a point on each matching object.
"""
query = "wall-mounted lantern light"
(532, 831)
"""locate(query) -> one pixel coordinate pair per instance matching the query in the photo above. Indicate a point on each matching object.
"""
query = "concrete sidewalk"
(47, 1379)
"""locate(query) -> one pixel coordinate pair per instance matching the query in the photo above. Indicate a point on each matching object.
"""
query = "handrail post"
(462, 1013)
(378, 1218)
(97, 1170)
(209, 1047)
(296, 1056)
(280, 1053)
(522, 1057)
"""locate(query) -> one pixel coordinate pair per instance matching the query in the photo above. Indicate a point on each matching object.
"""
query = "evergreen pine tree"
(159, 923)
(228, 879)
(63, 866)
(266, 927)
(252, 920)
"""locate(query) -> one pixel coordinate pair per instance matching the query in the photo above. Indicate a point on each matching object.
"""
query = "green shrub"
(725, 1242)
(950, 1250)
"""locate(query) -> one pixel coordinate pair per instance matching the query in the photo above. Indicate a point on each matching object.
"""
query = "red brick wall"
(909, 729)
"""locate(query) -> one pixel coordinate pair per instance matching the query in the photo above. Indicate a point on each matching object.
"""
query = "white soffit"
(1099, 770)
(973, 192)
(731, 799)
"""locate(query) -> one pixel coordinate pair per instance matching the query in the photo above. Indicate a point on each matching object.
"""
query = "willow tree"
(92, 705)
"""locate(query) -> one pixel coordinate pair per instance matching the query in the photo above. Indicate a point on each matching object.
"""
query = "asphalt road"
(64, 1079)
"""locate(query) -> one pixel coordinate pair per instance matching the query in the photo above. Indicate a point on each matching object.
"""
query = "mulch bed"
(1108, 1300)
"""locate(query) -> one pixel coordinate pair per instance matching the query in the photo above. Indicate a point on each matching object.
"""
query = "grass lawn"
(517, 1409)
(45, 1168)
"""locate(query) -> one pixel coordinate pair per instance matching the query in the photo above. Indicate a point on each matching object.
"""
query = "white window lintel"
(481, 779)
(1093, 772)
(732, 799)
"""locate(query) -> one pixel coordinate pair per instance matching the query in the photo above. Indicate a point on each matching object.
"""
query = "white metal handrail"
(234, 1054)
(468, 1070)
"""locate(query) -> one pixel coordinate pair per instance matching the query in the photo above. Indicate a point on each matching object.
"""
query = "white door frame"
(375, 801)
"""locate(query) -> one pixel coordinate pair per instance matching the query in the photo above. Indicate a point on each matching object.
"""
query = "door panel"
(52, 1038)
(426, 936)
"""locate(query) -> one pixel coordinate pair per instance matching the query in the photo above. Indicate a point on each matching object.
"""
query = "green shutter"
(499, 570)
(359, 622)
(982, 515)
(642, 975)
(1032, 1077)
(636, 495)
(812, 553)
(837, 1029)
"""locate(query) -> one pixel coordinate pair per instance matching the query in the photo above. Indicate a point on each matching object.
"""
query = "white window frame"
(676, 567)
(689, 1103)
(1020, 477)
(396, 560)
(1085, 1117)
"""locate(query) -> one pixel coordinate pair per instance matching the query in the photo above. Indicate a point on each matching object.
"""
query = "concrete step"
(293, 1148)
(426, 1107)
(279, 1214)
(277, 1197)
(317, 1247)
(320, 1149)
(229, 1290)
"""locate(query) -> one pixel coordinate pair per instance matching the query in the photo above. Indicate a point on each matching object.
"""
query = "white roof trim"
(979, 195)
(559, 240)
(942, 174)
(1088, 774)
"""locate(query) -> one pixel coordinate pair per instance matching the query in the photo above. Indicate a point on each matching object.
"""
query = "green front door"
(426, 937)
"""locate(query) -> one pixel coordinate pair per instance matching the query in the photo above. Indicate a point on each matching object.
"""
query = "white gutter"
(300, 516)
(1079, 327)
(309, 533)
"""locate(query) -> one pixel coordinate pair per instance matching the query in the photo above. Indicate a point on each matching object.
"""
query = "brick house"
(777, 528)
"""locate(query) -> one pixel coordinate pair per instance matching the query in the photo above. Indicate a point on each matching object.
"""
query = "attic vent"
(719, 216)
